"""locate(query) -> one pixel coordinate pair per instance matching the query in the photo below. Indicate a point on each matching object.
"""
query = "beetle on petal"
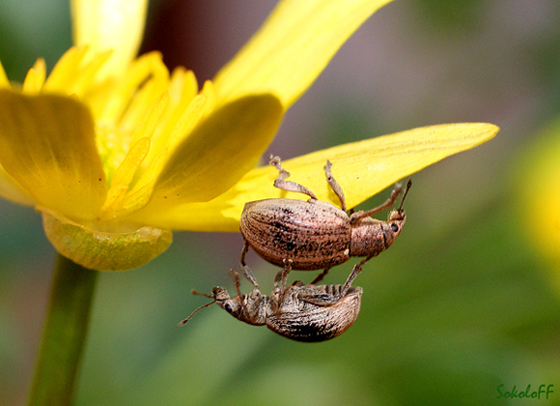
(313, 235)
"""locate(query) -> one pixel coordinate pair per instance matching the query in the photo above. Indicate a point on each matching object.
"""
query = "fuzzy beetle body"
(309, 313)
(315, 313)
(313, 235)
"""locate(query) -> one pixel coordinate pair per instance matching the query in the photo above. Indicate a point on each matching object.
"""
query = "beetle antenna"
(408, 185)
(182, 323)
(354, 217)
(194, 292)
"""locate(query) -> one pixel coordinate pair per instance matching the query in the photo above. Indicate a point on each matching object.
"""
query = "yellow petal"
(110, 24)
(123, 177)
(47, 145)
(537, 184)
(4, 82)
(362, 168)
(10, 189)
(147, 77)
(77, 72)
(218, 152)
(35, 78)
(291, 49)
(102, 250)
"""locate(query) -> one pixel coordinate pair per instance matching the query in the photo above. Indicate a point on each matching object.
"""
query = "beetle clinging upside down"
(310, 313)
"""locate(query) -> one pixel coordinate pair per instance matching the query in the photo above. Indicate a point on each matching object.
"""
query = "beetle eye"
(228, 308)
(394, 227)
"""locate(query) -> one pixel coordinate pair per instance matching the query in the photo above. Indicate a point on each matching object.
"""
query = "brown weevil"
(314, 235)
(309, 313)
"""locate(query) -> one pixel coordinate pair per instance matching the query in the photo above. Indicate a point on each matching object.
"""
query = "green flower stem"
(64, 334)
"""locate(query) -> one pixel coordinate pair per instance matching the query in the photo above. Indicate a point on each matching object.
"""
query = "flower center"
(139, 117)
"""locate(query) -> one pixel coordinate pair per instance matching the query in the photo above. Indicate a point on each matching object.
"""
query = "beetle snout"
(220, 294)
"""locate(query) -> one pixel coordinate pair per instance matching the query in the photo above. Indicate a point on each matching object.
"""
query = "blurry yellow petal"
(110, 24)
(141, 193)
(142, 102)
(291, 49)
(47, 145)
(147, 76)
(209, 91)
(3, 78)
(146, 124)
(182, 99)
(362, 168)
(537, 184)
(183, 85)
(123, 177)
(10, 189)
(35, 78)
(102, 250)
(218, 152)
(63, 74)
(190, 117)
(77, 73)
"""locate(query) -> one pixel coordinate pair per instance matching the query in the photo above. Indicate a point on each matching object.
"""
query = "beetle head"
(395, 221)
(249, 308)
(397, 218)
(371, 236)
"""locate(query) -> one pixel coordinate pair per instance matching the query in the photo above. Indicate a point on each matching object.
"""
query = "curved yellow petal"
(292, 48)
(110, 24)
(10, 189)
(362, 168)
(218, 152)
(47, 145)
(35, 78)
(101, 250)
(4, 82)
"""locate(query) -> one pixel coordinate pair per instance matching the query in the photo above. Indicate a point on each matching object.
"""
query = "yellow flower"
(116, 151)
(537, 185)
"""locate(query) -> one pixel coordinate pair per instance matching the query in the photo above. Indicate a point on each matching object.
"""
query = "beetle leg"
(249, 275)
(277, 278)
(244, 251)
(246, 271)
(281, 183)
(337, 189)
(236, 281)
(320, 277)
(388, 203)
(355, 272)
(283, 276)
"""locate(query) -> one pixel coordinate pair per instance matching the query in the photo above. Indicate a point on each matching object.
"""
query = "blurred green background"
(465, 301)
